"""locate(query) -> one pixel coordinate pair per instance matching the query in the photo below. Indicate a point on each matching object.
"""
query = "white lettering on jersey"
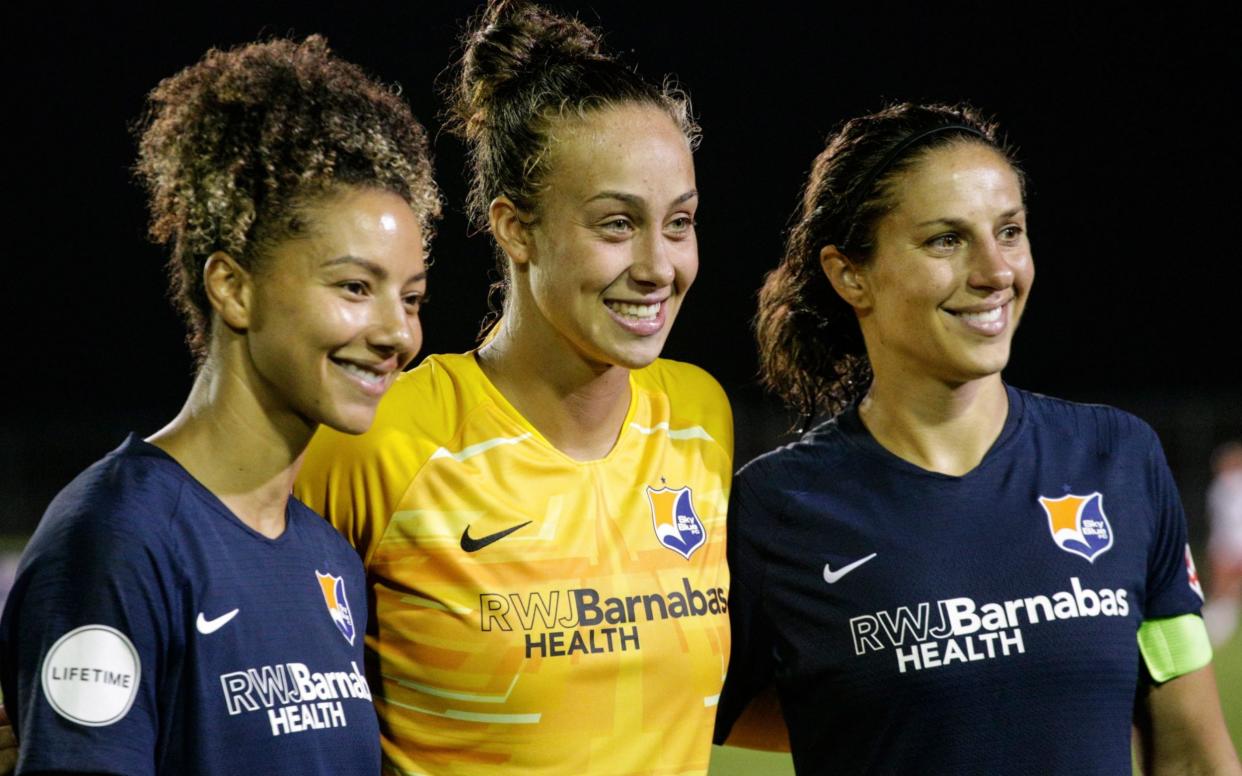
(295, 697)
(970, 631)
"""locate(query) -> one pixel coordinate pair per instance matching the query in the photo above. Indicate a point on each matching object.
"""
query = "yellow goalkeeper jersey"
(531, 613)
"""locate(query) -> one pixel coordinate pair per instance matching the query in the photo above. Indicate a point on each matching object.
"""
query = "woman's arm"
(1181, 729)
(748, 714)
(761, 725)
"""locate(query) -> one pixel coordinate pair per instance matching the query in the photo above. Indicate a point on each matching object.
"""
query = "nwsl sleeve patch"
(90, 675)
(1192, 576)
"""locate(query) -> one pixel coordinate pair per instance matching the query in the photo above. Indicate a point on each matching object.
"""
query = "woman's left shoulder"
(690, 398)
(1111, 427)
(681, 380)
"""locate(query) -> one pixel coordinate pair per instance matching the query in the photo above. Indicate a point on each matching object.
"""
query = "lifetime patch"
(91, 674)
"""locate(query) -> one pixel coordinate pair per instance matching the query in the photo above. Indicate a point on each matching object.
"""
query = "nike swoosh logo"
(206, 626)
(474, 545)
(832, 577)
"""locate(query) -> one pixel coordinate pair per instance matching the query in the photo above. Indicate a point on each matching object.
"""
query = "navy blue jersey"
(916, 622)
(151, 631)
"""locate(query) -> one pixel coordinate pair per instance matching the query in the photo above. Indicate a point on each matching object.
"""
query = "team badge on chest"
(333, 589)
(1078, 524)
(676, 524)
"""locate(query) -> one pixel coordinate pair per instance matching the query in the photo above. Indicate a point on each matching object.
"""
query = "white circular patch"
(90, 675)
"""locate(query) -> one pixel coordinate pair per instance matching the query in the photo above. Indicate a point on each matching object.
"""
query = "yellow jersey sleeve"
(356, 481)
(694, 399)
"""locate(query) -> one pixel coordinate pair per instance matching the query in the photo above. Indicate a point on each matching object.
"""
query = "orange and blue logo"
(676, 524)
(333, 589)
(1078, 524)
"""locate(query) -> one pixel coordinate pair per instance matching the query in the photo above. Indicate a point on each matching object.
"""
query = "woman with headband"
(951, 575)
(542, 519)
(176, 612)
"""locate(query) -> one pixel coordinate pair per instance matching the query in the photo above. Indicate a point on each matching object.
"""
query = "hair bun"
(513, 42)
(543, 32)
(522, 70)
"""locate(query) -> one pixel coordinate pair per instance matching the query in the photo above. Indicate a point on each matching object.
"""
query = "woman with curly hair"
(951, 575)
(176, 611)
(542, 518)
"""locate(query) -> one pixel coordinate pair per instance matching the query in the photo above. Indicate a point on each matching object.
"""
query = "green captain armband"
(1172, 646)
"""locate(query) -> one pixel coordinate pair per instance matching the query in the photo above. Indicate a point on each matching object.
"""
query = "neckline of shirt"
(506, 407)
(849, 424)
(136, 446)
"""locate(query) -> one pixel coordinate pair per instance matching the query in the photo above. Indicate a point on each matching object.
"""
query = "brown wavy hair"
(522, 70)
(234, 146)
(811, 349)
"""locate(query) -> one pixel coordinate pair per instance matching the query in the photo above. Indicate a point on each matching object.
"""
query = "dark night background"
(1123, 119)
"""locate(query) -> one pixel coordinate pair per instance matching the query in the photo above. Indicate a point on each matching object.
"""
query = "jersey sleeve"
(696, 399)
(86, 634)
(341, 479)
(1172, 637)
(356, 481)
(751, 661)
(720, 417)
(1172, 583)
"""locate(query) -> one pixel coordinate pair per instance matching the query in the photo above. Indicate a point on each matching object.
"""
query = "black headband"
(864, 188)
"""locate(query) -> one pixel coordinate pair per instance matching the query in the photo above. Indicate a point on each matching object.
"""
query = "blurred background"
(1120, 117)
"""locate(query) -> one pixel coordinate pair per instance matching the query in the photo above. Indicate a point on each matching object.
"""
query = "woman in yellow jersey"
(542, 520)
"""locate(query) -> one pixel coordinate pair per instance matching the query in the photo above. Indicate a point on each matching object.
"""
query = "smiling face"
(334, 313)
(950, 271)
(612, 250)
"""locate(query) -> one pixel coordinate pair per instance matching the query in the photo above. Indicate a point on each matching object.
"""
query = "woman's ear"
(846, 278)
(228, 289)
(510, 231)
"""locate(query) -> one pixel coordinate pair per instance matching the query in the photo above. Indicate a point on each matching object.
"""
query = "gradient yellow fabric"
(531, 613)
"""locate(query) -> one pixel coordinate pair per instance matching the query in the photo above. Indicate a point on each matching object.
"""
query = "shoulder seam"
(456, 433)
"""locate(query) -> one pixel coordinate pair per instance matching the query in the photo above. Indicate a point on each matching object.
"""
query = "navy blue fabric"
(134, 543)
(972, 641)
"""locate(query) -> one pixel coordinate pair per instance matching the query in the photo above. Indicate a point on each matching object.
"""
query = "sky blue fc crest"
(676, 525)
(1078, 524)
(333, 589)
